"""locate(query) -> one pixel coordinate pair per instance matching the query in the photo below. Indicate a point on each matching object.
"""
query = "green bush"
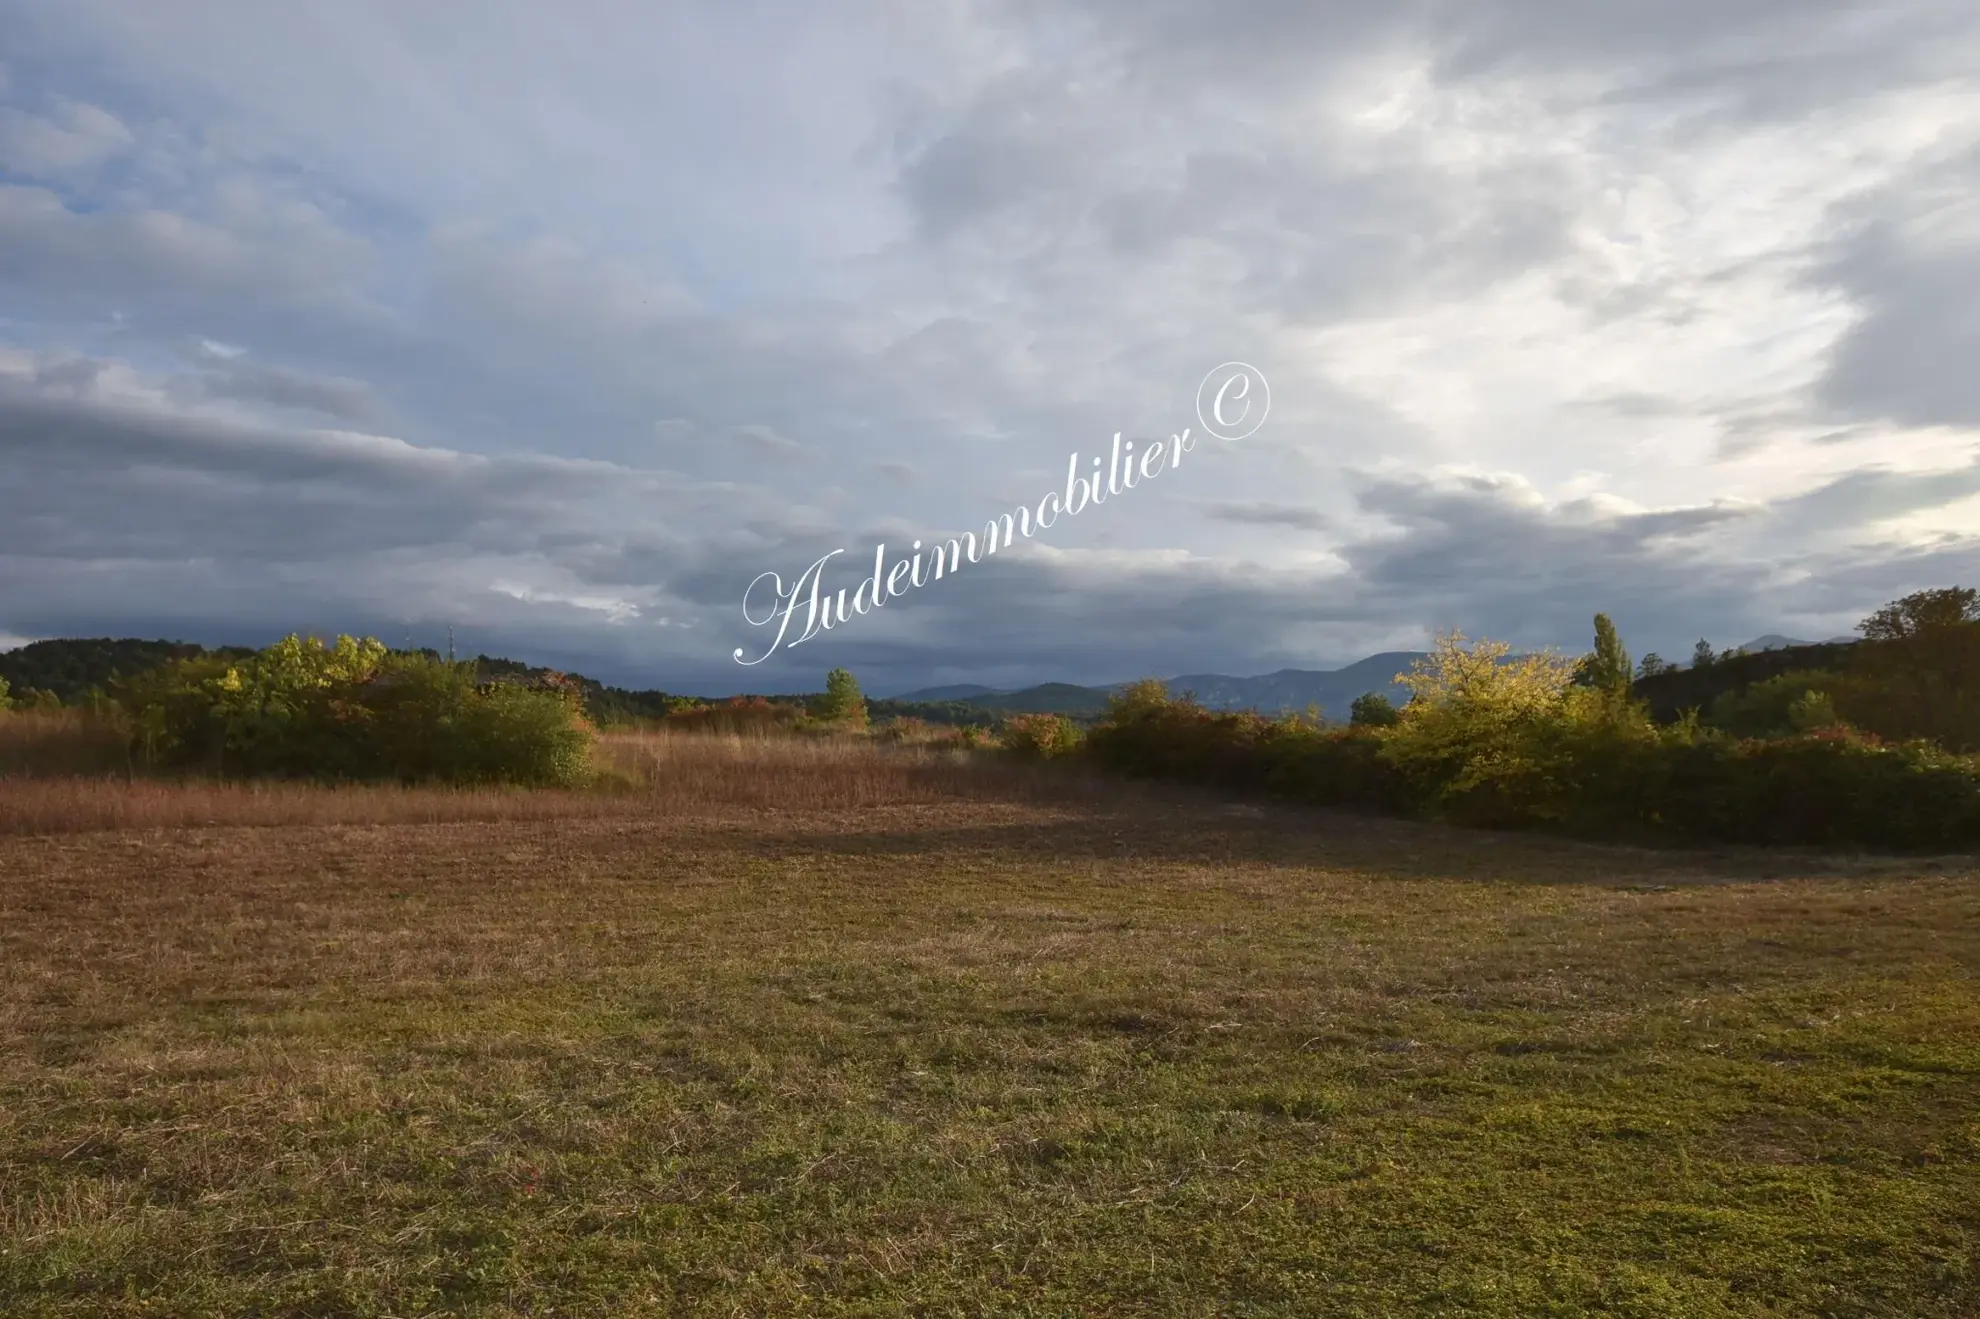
(351, 711)
(1766, 708)
(1832, 787)
(1373, 710)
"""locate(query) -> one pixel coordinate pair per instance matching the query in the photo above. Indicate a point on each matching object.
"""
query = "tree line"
(1875, 752)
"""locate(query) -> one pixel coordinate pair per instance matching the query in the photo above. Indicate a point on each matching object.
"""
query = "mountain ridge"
(1333, 690)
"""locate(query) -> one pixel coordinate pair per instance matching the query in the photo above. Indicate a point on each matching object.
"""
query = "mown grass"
(1141, 1054)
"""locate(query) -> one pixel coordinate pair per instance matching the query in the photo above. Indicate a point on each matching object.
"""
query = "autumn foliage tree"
(1472, 723)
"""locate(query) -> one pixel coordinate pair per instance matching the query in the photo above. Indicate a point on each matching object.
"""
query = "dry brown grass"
(62, 743)
(785, 772)
(661, 773)
(1136, 1053)
(75, 805)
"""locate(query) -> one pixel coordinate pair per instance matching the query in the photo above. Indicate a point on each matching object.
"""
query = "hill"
(962, 691)
(1046, 698)
(1672, 692)
(71, 667)
(1333, 690)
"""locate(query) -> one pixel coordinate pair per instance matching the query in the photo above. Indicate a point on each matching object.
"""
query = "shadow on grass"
(1159, 824)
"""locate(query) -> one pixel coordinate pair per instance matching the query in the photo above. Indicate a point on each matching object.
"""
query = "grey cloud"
(48, 249)
(345, 533)
(1263, 514)
(1910, 358)
(765, 441)
(75, 136)
(1636, 403)
(1873, 494)
(128, 482)
(1079, 203)
(1477, 554)
(1483, 555)
(332, 396)
(967, 177)
(1755, 58)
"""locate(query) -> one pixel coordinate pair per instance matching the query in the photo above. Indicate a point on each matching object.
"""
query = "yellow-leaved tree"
(1475, 734)
(1497, 738)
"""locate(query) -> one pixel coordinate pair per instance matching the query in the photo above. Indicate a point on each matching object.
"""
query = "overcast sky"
(559, 324)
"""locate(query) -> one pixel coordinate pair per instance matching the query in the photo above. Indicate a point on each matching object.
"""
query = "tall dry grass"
(659, 772)
(62, 743)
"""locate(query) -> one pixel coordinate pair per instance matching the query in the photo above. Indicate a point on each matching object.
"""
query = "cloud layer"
(559, 326)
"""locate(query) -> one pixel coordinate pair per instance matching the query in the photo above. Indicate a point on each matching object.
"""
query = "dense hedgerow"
(1501, 742)
(353, 711)
(1148, 734)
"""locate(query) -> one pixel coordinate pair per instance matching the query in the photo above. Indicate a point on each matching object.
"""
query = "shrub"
(1040, 736)
(911, 730)
(1148, 734)
(1765, 708)
(1478, 738)
(1813, 711)
(905, 728)
(427, 720)
(1832, 787)
(301, 709)
(742, 716)
(1373, 710)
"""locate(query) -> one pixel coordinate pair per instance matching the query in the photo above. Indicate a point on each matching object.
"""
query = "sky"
(559, 326)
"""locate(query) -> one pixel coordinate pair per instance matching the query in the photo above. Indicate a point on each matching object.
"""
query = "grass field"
(937, 1044)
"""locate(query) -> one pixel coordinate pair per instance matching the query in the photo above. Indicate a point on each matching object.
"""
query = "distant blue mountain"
(1775, 641)
(1333, 690)
(962, 691)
